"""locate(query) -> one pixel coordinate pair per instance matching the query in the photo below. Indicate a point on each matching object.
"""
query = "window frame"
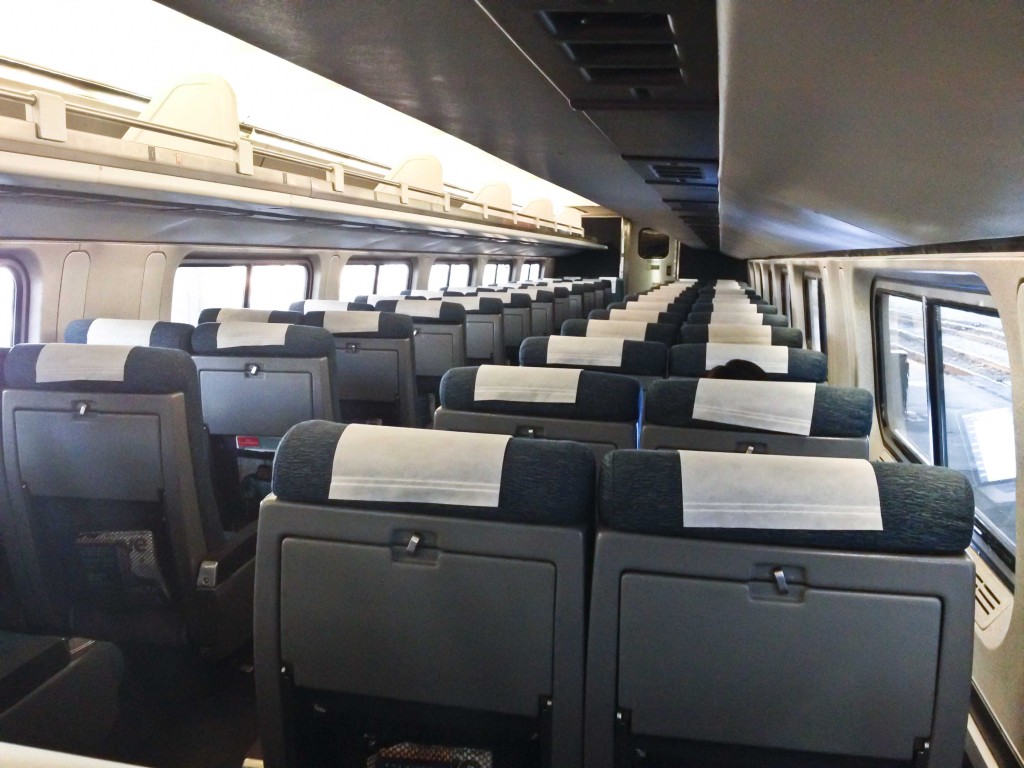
(203, 263)
(378, 263)
(933, 299)
(451, 263)
(19, 317)
(540, 270)
(497, 262)
(822, 325)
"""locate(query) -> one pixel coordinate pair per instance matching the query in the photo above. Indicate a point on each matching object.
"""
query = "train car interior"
(511, 383)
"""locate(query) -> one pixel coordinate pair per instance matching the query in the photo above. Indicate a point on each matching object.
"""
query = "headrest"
(424, 294)
(271, 340)
(508, 298)
(539, 295)
(378, 325)
(780, 363)
(771, 406)
(556, 393)
(133, 333)
(457, 474)
(477, 305)
(742, 334)
(326, 305)
(422, 311)
(734, 305)
(637, 315)
(736, 317)
(924, 509)
(637, 358)
(100, 368)
(232, 315)
(373, 300)
(621, 329)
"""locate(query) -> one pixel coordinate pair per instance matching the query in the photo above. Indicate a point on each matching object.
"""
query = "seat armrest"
(239, 548)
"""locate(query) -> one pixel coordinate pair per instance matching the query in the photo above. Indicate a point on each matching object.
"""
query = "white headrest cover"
(397, 464)
(134, 333)
(725, 333)
(617, 329)
(471, 303)
(778, 406)
(771, 359)
(719, 317)
(733, 305)
(230, 315)
(324, 305)
(418, 308)
(635, 315)
(81, 362)
(352, 322)
(250, 334)
(527, 385)
(780, 492)
(580, 350)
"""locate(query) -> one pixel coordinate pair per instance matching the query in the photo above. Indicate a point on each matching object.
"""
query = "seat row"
(747, 609)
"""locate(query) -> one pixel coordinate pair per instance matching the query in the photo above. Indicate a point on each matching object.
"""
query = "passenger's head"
(738, 369)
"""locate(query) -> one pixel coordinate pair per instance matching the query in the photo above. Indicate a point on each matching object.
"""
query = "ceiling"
(778, 126)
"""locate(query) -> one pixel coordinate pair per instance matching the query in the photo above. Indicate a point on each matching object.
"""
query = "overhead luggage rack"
(68, 152)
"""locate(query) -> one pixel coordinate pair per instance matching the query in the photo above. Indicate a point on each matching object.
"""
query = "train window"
(388, 278)
(814, 313)
(8, 306)
(445, 274)
(260, 286)
(497, 273)
(978, 415)
(905, 387)
(945, 383)
(533, 270)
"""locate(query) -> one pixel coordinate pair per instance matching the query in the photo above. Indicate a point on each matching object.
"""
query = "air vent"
(618, 27)
(624, 55)
(990, 599)
(633, 76)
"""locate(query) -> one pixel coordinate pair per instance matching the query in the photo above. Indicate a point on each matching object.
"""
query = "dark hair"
(738, 369)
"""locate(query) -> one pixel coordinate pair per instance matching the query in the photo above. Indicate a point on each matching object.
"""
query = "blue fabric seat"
(690, 361)
(403, 627)
(823, 646)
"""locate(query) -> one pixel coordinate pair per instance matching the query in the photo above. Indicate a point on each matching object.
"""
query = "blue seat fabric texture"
(165, 335)
(781, 337)
(300, 341)
(599, 397)
(665, 334)
(925, 509)
(543, 482)
(804, 365)
(838, 411)
(391, 326)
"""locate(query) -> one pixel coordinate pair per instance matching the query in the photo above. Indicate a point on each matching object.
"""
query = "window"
(388, 278)
(814, 313)
(259, 286)
(448, 275)
(533, 270)
(497, 273)
(9, 313)
(945, 375)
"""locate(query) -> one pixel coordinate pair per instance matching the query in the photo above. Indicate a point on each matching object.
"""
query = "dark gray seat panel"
(86, 462)
(439, 639)
(781, 337)
(262, 390)
(689, 361)
(829, 644)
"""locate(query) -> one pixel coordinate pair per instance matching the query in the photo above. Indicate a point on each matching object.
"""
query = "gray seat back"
(780, 628)
(403, 624)
(114, 508)
(374, 361)
(440, 338)
(485, 328)
(600, 410)
(757, 417)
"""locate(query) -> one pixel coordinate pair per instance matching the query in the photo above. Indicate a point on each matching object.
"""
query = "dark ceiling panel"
(455, 66)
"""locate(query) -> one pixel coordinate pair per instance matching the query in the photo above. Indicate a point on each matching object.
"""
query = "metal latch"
(81, 408)
(351, 348)
(207, 578)
(780, 581)
(252, 369)
(414, 543)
